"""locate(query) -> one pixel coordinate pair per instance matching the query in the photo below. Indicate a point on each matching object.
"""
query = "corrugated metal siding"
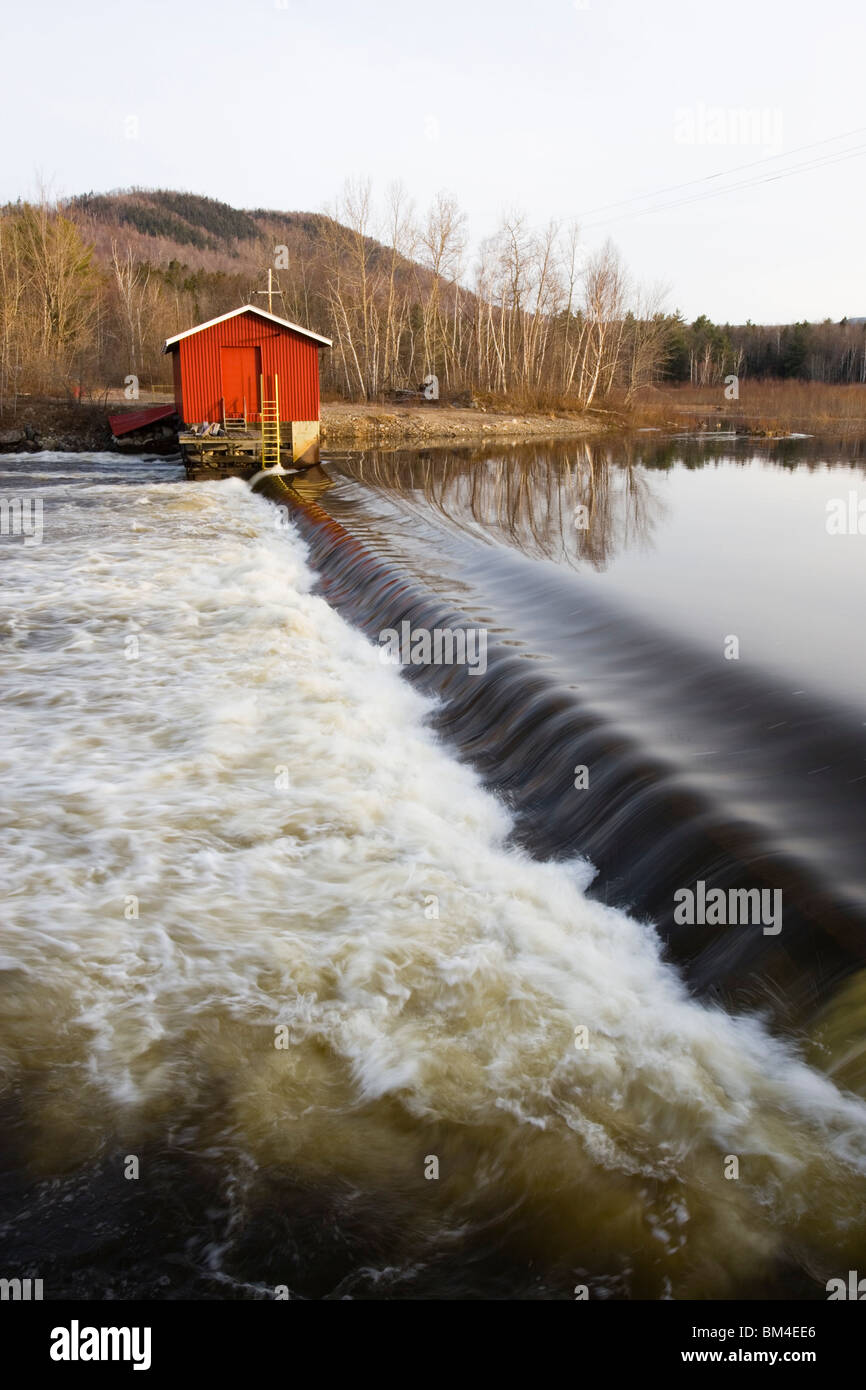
(293, 358)
(178, 387)
(138, 419)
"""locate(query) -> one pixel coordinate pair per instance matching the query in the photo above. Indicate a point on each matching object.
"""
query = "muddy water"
(272, 931)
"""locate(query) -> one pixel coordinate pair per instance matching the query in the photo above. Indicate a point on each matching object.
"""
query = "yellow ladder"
(271, 426)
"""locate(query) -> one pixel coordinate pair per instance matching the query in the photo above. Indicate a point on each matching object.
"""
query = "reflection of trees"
(529, 496)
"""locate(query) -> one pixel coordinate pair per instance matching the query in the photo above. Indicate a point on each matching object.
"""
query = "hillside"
(91, 288)
(189, 237)
(201, 233)
(185, 258)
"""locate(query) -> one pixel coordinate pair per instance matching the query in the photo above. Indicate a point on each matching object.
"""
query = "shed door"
(241, 369)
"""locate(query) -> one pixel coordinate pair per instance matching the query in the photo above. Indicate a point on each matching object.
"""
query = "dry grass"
(764, 407)
(769, 407)
(53, 415)
(523, 401)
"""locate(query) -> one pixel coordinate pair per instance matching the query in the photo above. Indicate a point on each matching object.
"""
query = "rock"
(10, 437)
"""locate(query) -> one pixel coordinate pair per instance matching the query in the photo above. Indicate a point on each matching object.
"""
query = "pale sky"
(560, 107)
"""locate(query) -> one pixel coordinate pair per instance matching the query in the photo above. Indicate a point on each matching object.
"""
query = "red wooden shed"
(219, 367)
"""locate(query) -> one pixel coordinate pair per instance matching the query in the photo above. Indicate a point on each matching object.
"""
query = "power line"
(808, 165)
(722, 173)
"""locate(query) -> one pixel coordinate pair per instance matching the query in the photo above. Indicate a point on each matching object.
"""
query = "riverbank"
(64, 426)
(770, 409)
(350, 425)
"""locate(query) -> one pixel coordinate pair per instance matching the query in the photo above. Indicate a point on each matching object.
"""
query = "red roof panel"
(138, 419)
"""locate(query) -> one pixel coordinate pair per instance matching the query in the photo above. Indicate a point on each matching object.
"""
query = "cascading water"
(268, 936)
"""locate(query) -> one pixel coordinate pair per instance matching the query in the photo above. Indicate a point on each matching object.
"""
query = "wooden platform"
(235, 455)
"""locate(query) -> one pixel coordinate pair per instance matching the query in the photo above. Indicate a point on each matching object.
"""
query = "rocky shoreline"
(85, 429)
(354, 426)
(28, 440)
(347, 426)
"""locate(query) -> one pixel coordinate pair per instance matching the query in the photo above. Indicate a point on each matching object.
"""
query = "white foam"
(310, 906)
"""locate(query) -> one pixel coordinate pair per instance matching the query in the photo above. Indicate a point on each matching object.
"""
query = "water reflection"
(578, 503)
(575, 506)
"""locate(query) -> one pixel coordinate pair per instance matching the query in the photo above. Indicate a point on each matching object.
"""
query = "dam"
(391, 867)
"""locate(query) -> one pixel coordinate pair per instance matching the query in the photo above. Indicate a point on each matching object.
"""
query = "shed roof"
(138, 419)
(247, 309)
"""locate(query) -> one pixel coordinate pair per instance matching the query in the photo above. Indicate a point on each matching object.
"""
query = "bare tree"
(131, 280)
(604, 307)
(648, 340)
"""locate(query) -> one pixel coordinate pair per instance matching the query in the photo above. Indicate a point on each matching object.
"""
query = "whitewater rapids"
(192, 735)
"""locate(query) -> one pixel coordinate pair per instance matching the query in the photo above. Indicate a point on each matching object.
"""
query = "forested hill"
(163, 226)
(215, 255)
(91, 287)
